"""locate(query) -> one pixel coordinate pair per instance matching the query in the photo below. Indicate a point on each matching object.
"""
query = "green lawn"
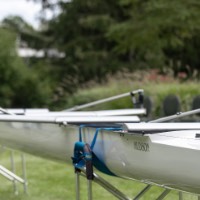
(48, 180)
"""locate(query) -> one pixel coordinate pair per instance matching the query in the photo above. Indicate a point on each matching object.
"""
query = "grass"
(48, 180)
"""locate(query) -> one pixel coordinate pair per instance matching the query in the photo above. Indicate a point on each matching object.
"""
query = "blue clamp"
(83, 152)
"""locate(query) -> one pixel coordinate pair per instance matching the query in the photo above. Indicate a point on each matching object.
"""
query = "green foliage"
(157, 31)
(20, 85)
(132, 34)
(81, 32)
(32, 38)
(8, 67)
(101, 38)
(16, 23)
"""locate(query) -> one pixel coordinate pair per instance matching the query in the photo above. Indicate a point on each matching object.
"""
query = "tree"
(20, 86)
(158, 32)
(101, 37)
(81, 32)
(33, 38)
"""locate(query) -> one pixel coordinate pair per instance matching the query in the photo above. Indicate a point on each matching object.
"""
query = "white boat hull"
(168, 159)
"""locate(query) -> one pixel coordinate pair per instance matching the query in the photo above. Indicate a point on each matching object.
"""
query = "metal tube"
(24, 172)
(77, 186)
(6, 175)
(180, 195)
(89, 189)
(142, 192)
(176, 116)
(11, 174)
(6, 112)
(107, 186)
(13, 170)
(103, 100)
(164, 194)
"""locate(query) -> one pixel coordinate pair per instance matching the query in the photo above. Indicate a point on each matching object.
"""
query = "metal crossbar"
(164, 194)
(106, 185)
(114, 191)
(142, 192)
(11, 175)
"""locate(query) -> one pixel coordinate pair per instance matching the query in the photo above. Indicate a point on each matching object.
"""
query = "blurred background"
(56, 53)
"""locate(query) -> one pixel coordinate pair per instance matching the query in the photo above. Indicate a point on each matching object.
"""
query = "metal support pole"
(198, 197)
(14, 171)
(77, 185)
(164, 194)
(176, 116)
(24, 172)
(142, 192)
(104, 100)
(89, 189)
(110, 188)
(180, 196)
(107, 186)
(10, 175)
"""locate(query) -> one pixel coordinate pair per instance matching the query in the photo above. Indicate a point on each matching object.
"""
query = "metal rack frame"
(114, 191)
(11, 174)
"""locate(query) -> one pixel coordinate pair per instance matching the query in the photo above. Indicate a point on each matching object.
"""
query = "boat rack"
(114, 191)
(11, 174)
